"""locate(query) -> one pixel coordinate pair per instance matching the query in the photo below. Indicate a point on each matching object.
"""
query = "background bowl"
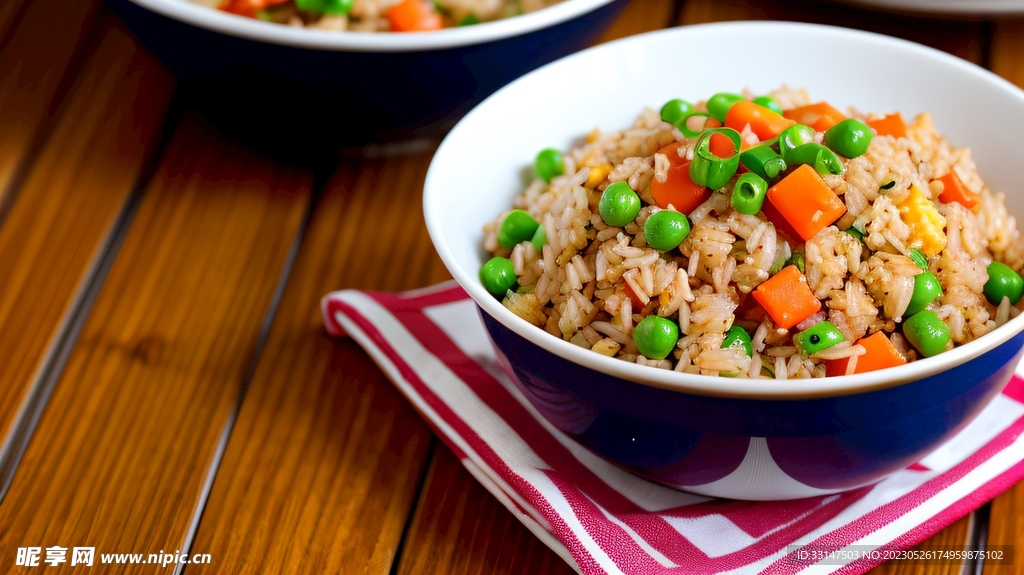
(295, 91)
(738, 438)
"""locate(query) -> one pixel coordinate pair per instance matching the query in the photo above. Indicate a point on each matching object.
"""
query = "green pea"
(797, 259)
(469, 20)
(738, 337)
(656, 336)
(926, 289)
(719, 104)
(925, 331)
(619, 204)
(518, 226)
(749, 193)
(540, 237)
(763, 161)
(849, 138)
(325, 6)
(676, 111)
(666, 229)
(822, 159)
(820, 336)
(769, 102)
(1003, 282)
(549, 164)
(498, 276)
(919, 258)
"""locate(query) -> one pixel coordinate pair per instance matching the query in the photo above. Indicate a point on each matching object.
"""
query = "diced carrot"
(249, 7)
(414, 16)
(954, 190)
(820, 116)
(890, 125)
(678, 189)
(781, 224)
(638, 304)
(806, 202)
(720, 145)
(787, 298)
(764, 122)
(880, 354)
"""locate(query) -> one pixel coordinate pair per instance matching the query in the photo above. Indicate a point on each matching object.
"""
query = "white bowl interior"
(482, 163)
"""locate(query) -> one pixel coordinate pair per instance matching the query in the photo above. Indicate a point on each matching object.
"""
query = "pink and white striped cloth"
(600, 519)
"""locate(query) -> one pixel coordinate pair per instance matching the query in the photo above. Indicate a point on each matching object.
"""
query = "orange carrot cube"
(806, 202)
(787, 298)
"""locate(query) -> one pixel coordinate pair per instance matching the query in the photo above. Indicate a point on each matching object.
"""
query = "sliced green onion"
(888, 183)
(749, 193)
(820, 336)
(797, 259)
(719, 104)
(763, 161)
(855, 232)
(469, 20)
(792, 137)
(710, 170)
(684, 127)
(919, 258)
(822, 159)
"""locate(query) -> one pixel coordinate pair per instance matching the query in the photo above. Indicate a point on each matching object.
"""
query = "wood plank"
(639, 17)
(964, 38)
(120, 455)
(322, 466)
(9, 10)
(63, 212)
(1006, 527)
(32, 64)
(1007, 58)
(953, 537)
(461, 528)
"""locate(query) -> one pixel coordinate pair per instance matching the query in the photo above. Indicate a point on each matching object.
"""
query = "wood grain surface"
(1006, 527)
(9, 12)
(459, 527)
(322, 467)
(69, 200)
(33, 62)
(120, 455)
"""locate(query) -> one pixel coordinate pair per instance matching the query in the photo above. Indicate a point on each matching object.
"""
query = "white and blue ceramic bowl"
(737, 438)
(308, 88)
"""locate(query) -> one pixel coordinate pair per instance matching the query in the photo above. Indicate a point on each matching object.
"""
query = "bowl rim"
(272, 33)
(704, 384)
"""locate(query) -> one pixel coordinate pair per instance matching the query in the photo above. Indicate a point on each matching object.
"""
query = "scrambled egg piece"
(927, 226)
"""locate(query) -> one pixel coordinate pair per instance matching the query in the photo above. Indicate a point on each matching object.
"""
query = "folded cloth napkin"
(600, 519)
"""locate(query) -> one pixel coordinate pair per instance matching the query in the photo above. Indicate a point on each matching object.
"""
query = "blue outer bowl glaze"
(696, 442)
(312, 96)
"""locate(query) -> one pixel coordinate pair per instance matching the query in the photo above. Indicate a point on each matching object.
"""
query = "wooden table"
(165, 380)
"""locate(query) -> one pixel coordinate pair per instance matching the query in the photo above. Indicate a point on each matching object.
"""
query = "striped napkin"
(600, 519)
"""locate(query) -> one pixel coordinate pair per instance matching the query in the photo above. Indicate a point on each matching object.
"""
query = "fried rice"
(592, 283)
